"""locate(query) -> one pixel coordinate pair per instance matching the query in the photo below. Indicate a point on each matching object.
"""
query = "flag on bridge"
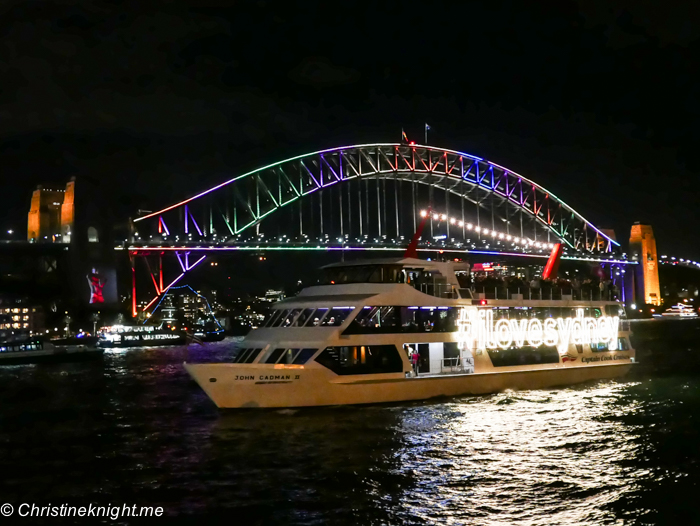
(404, 137)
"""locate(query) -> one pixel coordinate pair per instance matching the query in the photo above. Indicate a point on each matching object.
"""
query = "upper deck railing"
(441, 290)
(447, 291)
(553, 293)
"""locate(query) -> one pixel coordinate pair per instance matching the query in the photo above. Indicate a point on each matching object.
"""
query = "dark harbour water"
(134, 429)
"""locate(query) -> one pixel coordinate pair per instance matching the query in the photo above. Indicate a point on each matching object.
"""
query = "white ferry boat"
(349, 341)
(139, 336)
(681, 311)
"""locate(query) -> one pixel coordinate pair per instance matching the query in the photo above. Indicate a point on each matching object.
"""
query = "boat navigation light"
(482, 302)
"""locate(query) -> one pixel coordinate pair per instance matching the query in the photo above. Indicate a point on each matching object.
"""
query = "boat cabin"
(442, 279)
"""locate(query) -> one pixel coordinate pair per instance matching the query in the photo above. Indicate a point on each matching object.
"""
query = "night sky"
(157, 100)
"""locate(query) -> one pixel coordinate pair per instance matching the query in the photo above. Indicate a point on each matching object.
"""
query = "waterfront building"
(20, 314)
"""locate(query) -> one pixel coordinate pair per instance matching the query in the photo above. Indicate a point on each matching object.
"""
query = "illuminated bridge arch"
(372, 195)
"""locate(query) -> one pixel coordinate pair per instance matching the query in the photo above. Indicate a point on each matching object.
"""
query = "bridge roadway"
(143, 249)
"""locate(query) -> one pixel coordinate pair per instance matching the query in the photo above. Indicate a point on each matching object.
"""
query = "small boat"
(214, 335)
(25, 349)
(681, 311)
(79, 339)
(139, 336)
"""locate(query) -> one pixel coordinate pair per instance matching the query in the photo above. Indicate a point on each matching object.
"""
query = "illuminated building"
(646, 275)
(18, 314)
(51, 214)
(68, 211)
(44, 219)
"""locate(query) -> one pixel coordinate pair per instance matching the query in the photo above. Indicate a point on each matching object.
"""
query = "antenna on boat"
(552, 266)
(411, 251)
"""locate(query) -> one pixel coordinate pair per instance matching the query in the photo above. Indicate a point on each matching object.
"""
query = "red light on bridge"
(412, 143)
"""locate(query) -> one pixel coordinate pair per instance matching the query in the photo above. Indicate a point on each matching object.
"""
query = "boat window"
(362, 274)
(317, 317)
(615, 310)
(252, 355)
(290, 317)
(241, 355)
(463, 279)
(304, 356)
(599, 347)
(336, 316)
(376, 319)
(429, 319)
(361, 359)
(623, 344)
(278, 321)
(274, 355)
(387, 320)
(304, 317)
(288, 356)
(273, 317)
(523, 356)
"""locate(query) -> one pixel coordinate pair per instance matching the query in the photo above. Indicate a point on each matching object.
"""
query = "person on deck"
(414, 362)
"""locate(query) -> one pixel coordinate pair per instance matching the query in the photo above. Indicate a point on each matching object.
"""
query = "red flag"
(552, 266)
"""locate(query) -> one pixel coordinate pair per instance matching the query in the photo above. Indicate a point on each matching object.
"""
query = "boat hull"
(250, 387)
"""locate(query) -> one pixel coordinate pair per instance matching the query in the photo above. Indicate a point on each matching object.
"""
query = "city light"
(486, 231)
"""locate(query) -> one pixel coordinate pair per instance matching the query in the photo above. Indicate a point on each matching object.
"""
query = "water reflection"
(540, 457)
(135, 428)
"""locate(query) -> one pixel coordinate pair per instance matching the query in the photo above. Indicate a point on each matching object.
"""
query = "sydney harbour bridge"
(367, 197)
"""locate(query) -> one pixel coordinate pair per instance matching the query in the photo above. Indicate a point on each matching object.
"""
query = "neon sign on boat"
(479, 330)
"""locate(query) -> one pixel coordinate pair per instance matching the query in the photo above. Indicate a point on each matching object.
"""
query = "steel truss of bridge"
(370, 197)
